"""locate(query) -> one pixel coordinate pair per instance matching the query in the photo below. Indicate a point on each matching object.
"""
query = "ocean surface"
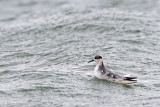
(45, 46)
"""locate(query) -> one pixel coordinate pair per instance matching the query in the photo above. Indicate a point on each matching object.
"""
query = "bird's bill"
(90, 61)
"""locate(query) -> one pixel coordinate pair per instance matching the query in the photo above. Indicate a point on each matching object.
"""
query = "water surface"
(45, 46)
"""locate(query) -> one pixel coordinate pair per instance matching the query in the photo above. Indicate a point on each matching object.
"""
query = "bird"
(102, 73)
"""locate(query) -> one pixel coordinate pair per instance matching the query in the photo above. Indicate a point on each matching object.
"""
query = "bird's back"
(103, 73)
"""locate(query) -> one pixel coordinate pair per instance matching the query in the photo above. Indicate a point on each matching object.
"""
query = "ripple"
(131, 41)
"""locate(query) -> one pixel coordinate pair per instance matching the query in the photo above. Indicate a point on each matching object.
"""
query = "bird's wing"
(112, 75)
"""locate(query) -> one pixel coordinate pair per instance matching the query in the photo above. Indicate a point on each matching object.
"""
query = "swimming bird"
(102, 73)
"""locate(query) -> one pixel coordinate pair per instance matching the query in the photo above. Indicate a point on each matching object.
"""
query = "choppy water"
(45, 46)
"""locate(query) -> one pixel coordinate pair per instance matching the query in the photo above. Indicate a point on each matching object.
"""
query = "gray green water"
(45, 46)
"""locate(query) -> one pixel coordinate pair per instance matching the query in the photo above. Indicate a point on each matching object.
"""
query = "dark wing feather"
(130, 78)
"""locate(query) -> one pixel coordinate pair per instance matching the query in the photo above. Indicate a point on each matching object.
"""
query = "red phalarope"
(102, 73)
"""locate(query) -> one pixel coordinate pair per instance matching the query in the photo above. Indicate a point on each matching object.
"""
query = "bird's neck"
(100, 63)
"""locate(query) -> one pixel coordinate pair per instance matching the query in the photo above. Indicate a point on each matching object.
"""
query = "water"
(45, 46)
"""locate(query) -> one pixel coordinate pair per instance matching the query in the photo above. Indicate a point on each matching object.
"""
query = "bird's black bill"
(90, 61)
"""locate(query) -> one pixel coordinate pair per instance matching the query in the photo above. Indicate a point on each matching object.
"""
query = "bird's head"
(97, 59)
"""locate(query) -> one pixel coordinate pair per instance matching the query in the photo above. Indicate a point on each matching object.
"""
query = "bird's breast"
(98, 73)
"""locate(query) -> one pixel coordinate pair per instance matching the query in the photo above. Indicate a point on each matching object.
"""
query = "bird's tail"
(130, 78)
